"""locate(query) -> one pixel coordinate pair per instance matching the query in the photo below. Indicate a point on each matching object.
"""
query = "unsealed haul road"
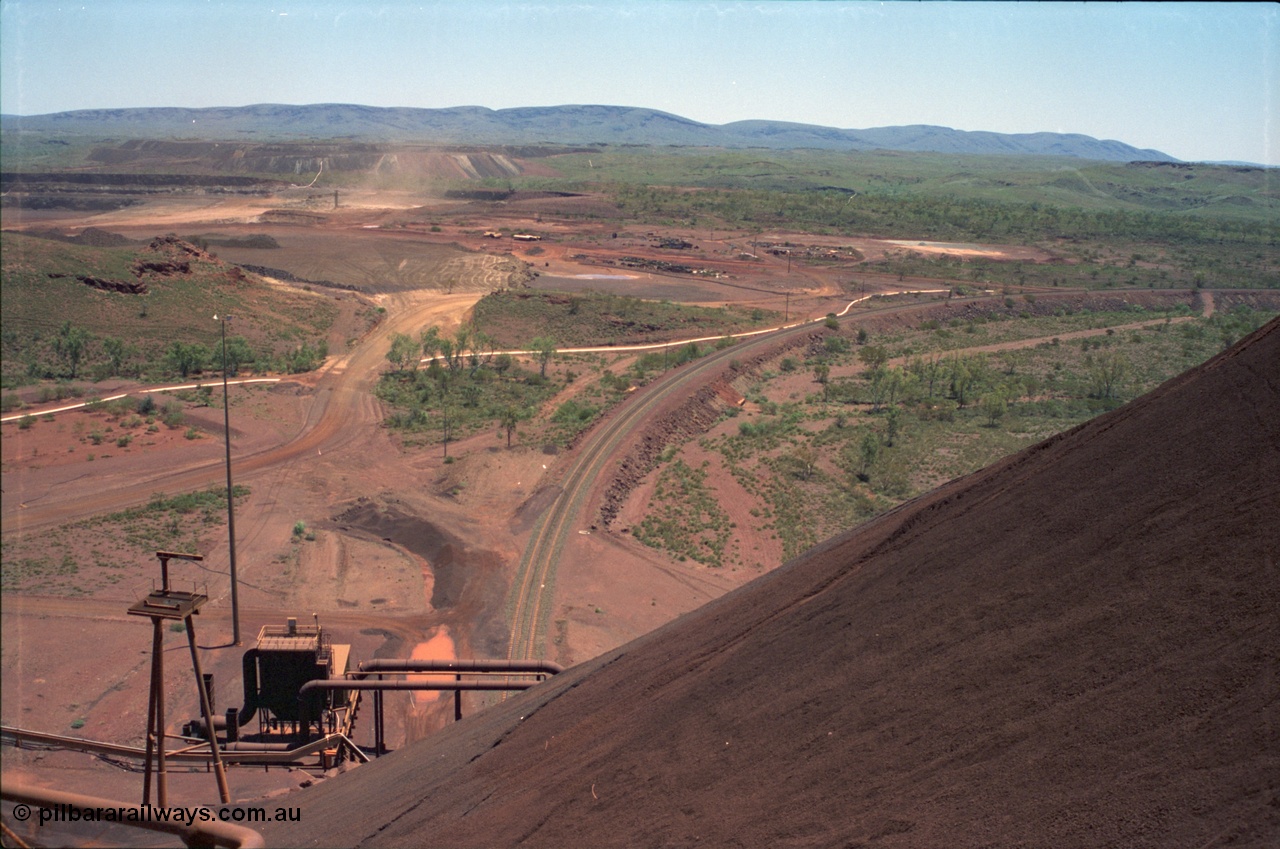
(344, 406)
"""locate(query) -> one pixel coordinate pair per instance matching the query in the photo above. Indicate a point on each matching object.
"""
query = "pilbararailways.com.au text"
(150, 813)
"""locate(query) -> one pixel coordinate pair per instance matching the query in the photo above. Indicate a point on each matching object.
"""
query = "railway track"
(533, 589)
(529, 604)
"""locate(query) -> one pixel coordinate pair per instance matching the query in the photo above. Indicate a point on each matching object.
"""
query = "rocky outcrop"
(125, 287)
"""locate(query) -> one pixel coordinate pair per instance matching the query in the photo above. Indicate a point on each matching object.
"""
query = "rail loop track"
(529, 606)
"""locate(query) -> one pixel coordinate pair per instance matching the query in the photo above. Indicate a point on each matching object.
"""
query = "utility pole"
(231, 510)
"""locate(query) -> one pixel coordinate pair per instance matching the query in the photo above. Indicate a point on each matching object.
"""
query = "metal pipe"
(243, 753)
(348, 684)
(212, 833)
(235, 753)
(407, 666)
(249, 672)
(404, 664)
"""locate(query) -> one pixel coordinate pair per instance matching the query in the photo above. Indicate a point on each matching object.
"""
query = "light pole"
(231, 510)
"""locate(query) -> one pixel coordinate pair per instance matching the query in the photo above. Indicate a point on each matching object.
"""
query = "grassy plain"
(514, 317)
(1205, 190)
(818, 454)
(45, 297)
(113, 548)
(936, 404)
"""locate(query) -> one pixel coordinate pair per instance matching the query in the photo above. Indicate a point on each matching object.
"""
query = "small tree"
(873, 356)
(961, 380)
(994, 406)
(430, 341)
(480, 349)
(116, 351)
(186, 358)
(403, 354)
(545, 347)
(868, 450)
(1106, 372)
(893, 423)
(509, 419)
(70, 344)
(238, 353)
(806, 460)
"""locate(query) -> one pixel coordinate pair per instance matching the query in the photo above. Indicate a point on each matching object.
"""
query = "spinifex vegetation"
(456, 395)
(466, 385)
(837, 433)
(1140, 224)
(590, 318)
(116, 548)
(829, 435)
(69, 314)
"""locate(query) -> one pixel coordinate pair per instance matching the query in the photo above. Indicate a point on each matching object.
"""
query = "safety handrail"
(18, 736)
(213, 833)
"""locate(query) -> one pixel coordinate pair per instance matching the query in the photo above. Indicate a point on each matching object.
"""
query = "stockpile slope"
(1077, 646)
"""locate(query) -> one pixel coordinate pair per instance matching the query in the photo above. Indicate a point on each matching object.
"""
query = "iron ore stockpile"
(1078, 646)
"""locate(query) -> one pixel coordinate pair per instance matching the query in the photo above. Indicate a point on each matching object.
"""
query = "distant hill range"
(567, 125)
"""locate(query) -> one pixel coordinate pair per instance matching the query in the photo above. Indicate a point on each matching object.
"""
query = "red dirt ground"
(382, 516)
(310, 449)
(1074, 647)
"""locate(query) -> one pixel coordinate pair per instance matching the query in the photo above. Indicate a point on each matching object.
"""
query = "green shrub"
(574, 412)
(173, 414)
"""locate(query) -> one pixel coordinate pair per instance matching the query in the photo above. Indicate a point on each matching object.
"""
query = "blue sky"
(1197, 81)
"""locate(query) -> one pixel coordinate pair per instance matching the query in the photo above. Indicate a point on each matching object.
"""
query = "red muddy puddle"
(439, 647)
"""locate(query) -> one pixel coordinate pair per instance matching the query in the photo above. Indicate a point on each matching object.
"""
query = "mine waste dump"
(1077, 646)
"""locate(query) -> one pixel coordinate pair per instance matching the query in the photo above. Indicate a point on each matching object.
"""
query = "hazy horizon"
(1195, 81)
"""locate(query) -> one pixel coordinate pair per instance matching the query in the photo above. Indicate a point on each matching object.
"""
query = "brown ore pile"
(1077, 646)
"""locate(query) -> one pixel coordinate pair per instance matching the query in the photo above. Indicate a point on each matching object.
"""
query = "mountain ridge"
(567, 124)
